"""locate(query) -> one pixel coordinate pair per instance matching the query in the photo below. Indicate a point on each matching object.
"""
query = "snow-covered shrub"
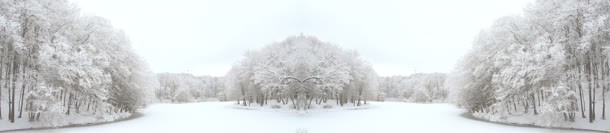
(221, 96)
(558, 104)
(183, 96)
(380, 96)
(327, 106)
(53, 116)
(45, 109)
(420, 97)
(275, 106)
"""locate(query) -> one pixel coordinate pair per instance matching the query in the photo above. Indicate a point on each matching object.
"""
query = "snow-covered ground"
(539, 120)
(223, 117)
(84, 118)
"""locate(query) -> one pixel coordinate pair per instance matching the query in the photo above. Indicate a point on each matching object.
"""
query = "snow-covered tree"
(299, 70)
(183, 88)
(56, 61)
(541, 62)
(419, 87)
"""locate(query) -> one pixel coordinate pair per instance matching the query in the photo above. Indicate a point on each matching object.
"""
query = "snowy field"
(217, 117)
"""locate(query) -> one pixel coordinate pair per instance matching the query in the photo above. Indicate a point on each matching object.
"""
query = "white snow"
(379, 117)
(74, 119)
(531, 119)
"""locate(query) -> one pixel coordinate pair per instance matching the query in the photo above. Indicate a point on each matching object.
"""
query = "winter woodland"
(549, 66)
(551, 61)
(56, 62)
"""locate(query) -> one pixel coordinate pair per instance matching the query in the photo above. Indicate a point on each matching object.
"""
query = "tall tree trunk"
(582, 99)
(69, 103)
(30, 114)
(534, 103)
(605, 72)
(603, 105)
(309, 104)
(572, 113)
(579, 83)
(244, 101)
(267, 99)
(338, 98)
(285, 100)
(2, 78)
(61, 97)
(23, 84)
(514, 104)
(89, 104)
(323, 99)
(294, 105)
(589, 80)
(539, 97)
(591, 112)
(11, 115)
(360, 95)
(343, 99)
(2, 71)
(243, 95)
(78, 103)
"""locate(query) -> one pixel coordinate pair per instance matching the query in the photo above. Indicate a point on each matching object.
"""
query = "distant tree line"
(419, 87)
(183, 88)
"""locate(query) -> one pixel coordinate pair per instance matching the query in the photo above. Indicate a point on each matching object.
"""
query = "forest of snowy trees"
(184, 88)
(301, 71)
(551, 61)
(56, 62)
(419, 87)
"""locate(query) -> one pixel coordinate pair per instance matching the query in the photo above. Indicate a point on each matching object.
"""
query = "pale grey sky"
(205, 37)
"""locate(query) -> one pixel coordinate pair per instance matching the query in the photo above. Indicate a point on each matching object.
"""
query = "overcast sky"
(398, 37)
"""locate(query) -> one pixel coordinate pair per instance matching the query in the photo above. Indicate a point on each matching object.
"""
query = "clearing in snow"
(384, 117)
